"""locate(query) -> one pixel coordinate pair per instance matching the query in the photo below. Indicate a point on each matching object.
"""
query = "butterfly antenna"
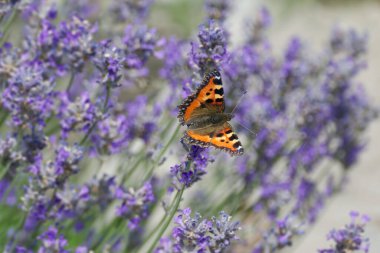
(249, 130)
(242, 95)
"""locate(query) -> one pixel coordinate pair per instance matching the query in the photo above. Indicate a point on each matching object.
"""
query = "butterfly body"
(208, 120)
(203, 114)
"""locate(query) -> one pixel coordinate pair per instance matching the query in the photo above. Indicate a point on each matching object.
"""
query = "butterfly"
(207, 123)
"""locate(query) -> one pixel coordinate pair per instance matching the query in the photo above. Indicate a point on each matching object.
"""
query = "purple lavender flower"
(130, 10)
(166, 246)
(139, 122)
(51, 241)
(10, 153)
(63, 48)
(194, 234)
(133, 120)
(32, 145)
(67, 159)
(261, 22)
(10, 59)
(76, 38)
(174, 70)
(78, 115)
(99, 191)
(70, 203)
(5, 7)
(109, 60)
(135, 204)
(217, 9)
(211, 51)
(275, 193)
(348, 40)
(81, 8)
(140, 43)
(20, 249)
(280, 236)
(81, 249)
(50, 175)
(113, 134)
(191, 170)
(29, 95)
(351, 238)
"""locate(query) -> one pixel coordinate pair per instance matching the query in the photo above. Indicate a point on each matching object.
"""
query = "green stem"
(96, 121)
(4, 171)
(172, 212)
(52, 125)
(7, 26)
(88, 134)
(133, 169)
(163, 219)
(159, 157)
(71, 81)
(106, 234)
(18, 227)
(4, 116)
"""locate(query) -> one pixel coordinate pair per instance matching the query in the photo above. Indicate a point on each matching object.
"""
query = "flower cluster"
(279, 236)
(135, 204)
(192, 169)
(211, 50)
(29, 95)
(350, 238)
(194, 234)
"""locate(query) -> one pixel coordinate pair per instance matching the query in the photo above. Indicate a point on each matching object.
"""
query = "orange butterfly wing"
(208, 97)
(222, 138)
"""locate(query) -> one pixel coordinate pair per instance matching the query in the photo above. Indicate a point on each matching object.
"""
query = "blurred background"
(312, 21)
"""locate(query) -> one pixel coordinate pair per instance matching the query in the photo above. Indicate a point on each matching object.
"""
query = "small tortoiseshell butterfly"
(203, 113)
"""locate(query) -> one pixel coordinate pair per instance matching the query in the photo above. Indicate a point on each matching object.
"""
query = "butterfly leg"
(184, 143)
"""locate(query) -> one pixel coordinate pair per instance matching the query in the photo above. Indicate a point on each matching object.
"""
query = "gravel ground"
(313, 21)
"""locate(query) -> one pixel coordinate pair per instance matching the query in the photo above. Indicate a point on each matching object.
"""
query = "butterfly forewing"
(209, 97)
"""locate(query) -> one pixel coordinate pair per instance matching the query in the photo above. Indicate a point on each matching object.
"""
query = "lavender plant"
(350, 238)
(90, 152)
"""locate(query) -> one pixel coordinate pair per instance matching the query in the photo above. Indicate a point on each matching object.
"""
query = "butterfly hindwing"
(222, 137)
(209, 97)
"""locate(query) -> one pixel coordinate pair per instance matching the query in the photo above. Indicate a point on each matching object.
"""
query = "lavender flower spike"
(351, 238)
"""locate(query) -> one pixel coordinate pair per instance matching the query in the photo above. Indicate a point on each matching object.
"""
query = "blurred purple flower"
(5, 7)
(135, 204)
(211, 51)
(280, 236)
(109, 60)
(67, 159)
(140, 43)
(113, 134)
(174, 71)
(260, 23)
(192, 169)
(78, 115)
(99, 191)
(10, 154)
(130, 10)
(51, 241)
(351, 238)
(65, 47)
(217, 9)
